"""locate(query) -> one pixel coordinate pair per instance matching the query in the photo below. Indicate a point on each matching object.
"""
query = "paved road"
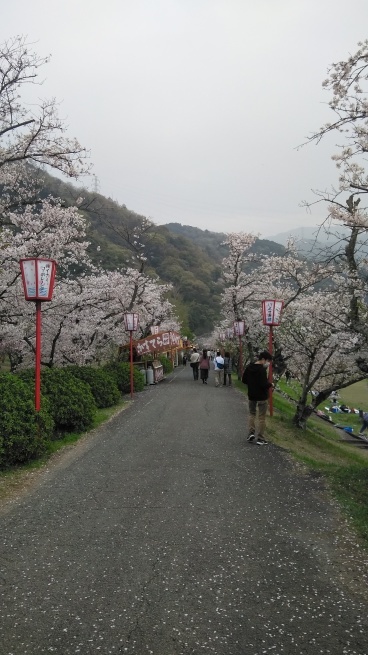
(166, 533)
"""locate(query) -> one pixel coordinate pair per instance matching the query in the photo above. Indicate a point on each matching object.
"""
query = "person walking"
(194, 362)
(364, 417)
(228, 368)
(219, 369)
(184, 360)
(255, 377)
(204, 366)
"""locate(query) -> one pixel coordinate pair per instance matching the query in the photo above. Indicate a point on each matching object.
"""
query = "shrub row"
(69, 399)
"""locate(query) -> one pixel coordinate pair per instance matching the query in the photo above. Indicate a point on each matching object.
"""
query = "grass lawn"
(356, 395)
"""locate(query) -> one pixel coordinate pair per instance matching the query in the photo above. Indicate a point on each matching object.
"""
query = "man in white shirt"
(219, 369)
(194, 362)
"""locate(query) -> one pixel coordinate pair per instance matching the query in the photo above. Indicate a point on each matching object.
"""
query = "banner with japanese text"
(157, 343)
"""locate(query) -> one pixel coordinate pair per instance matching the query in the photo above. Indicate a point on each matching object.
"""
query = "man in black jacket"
(255, 377)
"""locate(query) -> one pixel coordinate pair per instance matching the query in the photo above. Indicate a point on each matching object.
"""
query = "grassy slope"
(321, 447)
(356, 395)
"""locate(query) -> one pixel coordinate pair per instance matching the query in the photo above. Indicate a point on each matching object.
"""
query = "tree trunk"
(302, 414)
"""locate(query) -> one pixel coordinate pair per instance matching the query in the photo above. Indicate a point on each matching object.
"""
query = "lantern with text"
(271, 311)
(131, 321)
(38, 277)
(239, 331)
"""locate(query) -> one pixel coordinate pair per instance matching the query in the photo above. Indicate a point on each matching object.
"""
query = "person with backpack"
(256, 378)
(219, 369)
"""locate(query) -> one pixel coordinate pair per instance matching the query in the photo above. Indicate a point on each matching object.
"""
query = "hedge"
(71, 401)
(121, 373)
(103, 384)
(24, 433)
(166, 363)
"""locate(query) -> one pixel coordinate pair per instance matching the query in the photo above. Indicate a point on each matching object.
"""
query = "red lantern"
(38, 277)
(272, 310)
(239, 328)
(131, 322)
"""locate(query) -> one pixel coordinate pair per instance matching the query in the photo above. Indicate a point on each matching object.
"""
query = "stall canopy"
(158, 343)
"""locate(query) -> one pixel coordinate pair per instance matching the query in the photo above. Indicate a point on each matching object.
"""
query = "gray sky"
(193, 109)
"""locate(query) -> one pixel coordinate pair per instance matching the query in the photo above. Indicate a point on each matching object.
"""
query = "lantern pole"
(270, 371)
(38, 277)
(131, 364)
(241, 356)
(131, 325)
(271, 313)
(38, 357)
(239, 329)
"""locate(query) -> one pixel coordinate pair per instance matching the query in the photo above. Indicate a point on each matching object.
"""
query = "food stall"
(165, 343)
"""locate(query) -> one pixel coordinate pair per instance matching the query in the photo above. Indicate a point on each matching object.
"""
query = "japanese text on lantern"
(44, 279)
(30, 277)
(269, 312)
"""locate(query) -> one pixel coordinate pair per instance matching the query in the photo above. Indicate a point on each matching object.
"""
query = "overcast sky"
(193, 109)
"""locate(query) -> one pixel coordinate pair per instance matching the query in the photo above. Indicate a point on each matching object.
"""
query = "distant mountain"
(315, 242)
(301, 234)
(212, 242)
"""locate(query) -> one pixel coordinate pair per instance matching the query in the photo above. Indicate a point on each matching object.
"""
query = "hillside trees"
(86, 314)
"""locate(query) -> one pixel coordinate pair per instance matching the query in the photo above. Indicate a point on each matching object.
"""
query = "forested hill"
(187, 257)
(211, 242)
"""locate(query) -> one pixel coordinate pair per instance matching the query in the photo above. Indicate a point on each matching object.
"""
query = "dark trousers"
(195, 370)
(204, 374)
(364, 427)
(227, 375)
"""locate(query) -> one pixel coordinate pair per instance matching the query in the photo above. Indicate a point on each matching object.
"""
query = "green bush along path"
(163, 531)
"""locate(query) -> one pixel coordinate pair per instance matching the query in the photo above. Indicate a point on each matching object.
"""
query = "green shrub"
(121, 372)
(166, 363)
(24, 433)
(71, 401)
(102, 384)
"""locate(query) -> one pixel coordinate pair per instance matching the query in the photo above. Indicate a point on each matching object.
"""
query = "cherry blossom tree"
(86, 314)
(29, 133)
(251, 278)
(346, 222)
(348, 82)
(316, 337)
(321, 349)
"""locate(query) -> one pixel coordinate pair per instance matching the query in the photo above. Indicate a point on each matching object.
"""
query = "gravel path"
(164, 532)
